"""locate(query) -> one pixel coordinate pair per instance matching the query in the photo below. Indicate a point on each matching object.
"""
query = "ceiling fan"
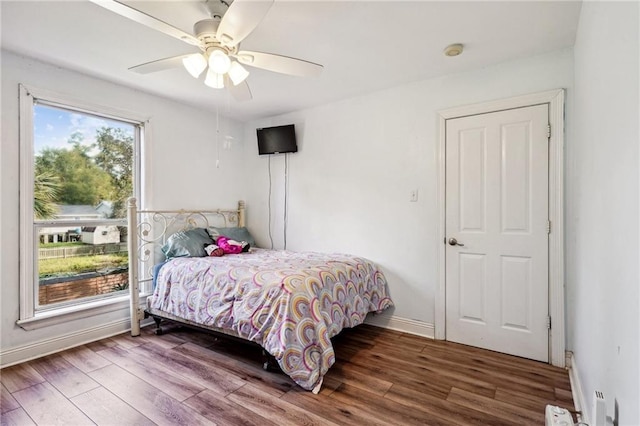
(218, 39)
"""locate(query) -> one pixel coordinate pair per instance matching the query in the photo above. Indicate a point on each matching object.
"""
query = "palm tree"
(45, 194)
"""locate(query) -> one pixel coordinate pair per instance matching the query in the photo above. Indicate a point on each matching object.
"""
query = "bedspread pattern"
(288, 302)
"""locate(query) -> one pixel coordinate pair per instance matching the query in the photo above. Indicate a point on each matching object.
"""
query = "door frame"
(555, 101)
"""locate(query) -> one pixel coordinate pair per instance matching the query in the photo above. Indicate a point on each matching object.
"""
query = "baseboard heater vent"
(599, 417)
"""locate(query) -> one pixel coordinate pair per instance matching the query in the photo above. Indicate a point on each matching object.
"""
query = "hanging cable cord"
(286, 193)
(217, 137)
(270, 236)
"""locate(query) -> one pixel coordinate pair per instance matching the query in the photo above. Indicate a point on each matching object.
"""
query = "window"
(79, 165)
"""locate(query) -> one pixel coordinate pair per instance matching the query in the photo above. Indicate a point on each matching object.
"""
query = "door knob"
(454, 242)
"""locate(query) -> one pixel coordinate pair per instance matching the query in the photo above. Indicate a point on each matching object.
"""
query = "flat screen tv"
(277, 140)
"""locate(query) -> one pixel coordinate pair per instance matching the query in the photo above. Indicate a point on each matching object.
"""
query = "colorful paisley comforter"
(288, 302)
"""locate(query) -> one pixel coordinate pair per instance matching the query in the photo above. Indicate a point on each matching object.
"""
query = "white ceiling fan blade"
(148, 20)
(278, 63)
(242, 17)
(241, 92)
(159, 65)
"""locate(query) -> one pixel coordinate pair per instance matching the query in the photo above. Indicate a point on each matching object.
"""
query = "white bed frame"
(149, 230)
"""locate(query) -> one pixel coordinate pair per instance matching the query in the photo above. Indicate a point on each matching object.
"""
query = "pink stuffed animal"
(229, 246)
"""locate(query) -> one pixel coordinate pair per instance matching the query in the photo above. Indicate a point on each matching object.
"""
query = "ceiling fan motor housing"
(206, 29)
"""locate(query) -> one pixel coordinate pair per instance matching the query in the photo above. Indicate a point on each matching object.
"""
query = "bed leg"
(316, 390)
(269, 362)
(158, 331)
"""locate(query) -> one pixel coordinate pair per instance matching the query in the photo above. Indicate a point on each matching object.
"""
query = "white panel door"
(497, 231)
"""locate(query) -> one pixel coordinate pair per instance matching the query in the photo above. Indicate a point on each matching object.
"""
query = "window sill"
(70, 313)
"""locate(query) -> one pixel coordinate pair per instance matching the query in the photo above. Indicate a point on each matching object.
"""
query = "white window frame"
(30, 318)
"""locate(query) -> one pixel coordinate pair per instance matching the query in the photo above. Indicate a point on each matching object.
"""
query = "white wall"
(359, 159)
(182, 151)
(602, 208)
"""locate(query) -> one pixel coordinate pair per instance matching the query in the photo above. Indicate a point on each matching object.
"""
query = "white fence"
(75, 251)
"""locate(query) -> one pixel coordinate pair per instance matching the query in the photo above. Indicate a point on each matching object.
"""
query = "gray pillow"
(238, 234)
(189, 243)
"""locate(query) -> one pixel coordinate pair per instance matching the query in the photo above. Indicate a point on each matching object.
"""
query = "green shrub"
(77, 265)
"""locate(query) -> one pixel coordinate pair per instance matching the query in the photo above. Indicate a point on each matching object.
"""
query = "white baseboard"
(405, 325)
(576, 388)
(60, 343)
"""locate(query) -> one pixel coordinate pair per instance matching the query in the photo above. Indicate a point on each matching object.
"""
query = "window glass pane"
(83, 175)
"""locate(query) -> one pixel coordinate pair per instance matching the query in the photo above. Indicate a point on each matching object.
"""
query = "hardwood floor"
(381, 377)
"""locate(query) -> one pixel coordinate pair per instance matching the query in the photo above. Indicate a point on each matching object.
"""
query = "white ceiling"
(364, 45)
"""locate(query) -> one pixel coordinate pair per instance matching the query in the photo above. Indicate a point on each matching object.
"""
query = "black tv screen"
(277, 140)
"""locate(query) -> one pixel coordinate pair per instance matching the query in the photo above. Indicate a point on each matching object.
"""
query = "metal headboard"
(150, 229)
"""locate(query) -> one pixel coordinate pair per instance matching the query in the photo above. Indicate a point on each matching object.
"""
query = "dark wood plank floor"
(381, 377)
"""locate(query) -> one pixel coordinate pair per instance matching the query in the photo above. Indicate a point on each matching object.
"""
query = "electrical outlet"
(557, 416)
(413, 195)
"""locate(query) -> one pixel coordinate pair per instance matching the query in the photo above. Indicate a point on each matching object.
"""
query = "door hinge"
(548, 322)
(548, 226)
(548, 131)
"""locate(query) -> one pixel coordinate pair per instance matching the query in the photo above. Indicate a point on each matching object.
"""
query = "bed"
(289, 303)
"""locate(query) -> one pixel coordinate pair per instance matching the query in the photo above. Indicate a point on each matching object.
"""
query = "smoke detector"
(453, 49)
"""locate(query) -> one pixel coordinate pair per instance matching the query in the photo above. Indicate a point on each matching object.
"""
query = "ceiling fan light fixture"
(219, 62)
(214, 79)
(237, 73)
(195, 64)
